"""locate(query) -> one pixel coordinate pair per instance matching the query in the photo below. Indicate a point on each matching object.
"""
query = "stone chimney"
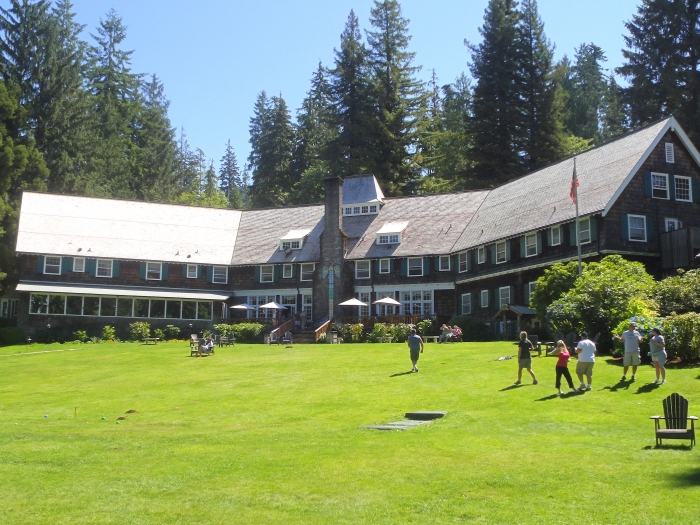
(329, 287)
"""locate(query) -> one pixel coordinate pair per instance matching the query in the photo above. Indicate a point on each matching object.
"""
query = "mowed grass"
(259, 434)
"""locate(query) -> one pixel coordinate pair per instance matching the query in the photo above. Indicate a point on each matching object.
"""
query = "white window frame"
(154, 268)
(389, 238)
(265, 272)
(46, 263)
(291, 244)
(505, 252)
(481, 255)
(440, 261)
(364, 311)
(408, 267)
(629, 227)
(373, 208)
(690, 188)
(362, 269)
(383, 269)
(111, 268)
(223, 270)
(530, 288)
(466, 307)
(462, 262)
(484, 302)
(581, 229)
(664, 176)
(306, 272)
(530, 237)
(676, 224)
(416, 302)
(556, 229)
(79, 268)
(192, 271)
(287, 271)
(500, 296)
(670, 154)
(347, 210)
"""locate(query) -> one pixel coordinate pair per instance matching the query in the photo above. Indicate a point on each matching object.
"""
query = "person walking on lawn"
(631, 339)
(586, 359)
(658, 354)
(415, 346)
(562, 367)
(524, 358)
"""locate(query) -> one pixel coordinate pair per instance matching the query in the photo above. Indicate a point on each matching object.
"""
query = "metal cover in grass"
(425, 415)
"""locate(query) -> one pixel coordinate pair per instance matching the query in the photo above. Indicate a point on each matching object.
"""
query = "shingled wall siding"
(634, 201)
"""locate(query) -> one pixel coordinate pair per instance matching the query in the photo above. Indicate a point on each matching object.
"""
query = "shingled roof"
(361, 188)
(541, 199)
(433, 224)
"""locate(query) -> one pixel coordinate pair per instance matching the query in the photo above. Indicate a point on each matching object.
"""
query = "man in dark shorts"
(415, 345)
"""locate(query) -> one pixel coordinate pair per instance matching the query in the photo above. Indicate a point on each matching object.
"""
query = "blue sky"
(215, 56)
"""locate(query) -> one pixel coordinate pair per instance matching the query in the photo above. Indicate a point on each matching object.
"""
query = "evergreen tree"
(185, 164)
(663, 63)
(542, 123)
(496, 104)
(350, 152)
(230, 176)
(614, 121)
(587, 86)
(399, 98)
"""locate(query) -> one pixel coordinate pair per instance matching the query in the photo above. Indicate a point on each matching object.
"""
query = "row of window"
(677, 187)
(267, 272)
(503, 297)
(360, 209)
(415, 267)
(119, 307)
(8, 308)
(413, 302)
(289, 301)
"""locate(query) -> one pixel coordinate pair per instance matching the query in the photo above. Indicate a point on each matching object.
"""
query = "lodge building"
(88, 262)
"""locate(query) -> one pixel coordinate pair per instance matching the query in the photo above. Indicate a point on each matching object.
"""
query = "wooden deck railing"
(371, 320)
(321, 330)
(281, 330)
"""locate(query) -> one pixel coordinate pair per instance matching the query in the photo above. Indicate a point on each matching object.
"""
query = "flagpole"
(578, 232)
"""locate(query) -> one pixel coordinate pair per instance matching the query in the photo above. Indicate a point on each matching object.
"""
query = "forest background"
(76, 119)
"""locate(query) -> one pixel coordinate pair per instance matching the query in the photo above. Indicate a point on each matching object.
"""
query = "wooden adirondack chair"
(676, 417)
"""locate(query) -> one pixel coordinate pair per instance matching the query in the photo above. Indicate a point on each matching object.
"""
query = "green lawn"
(259, 434)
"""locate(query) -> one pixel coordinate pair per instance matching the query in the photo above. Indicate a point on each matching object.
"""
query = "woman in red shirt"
(562, 366)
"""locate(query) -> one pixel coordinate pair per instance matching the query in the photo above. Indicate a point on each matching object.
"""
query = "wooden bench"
(149, 340)
(432, 338)
(676, 418)
(385, 339)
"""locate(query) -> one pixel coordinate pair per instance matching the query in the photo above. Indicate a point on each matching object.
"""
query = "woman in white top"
(658, 354)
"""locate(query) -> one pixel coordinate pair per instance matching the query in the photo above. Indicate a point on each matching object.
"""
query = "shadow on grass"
(511, 387)
(401, 374)
(619, 385)
(689, 478)
(679, 447)
(614, 361)
(563, 396)
(645, 389)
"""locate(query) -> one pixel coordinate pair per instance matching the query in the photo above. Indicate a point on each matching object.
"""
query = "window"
(683, 189)
(104, 267)
(361, 269)
(584, 227)
(191, 271)
(79, 264)
(307, 271)
(348, 211)
(307, 305)
(383, 309)
(503, 296)
(637, 228)
(373, 208)
(384, 266)
(364, 310)
(671, 224)
(356, 210)
(417, 302)
(481, 255)
(484, 299)
(556, 235)
(52, 265)
(466, 303)
(219, 275)
(388, 239)
(291, 245)
(415, 267)
(530, 244)
(287, 271)
(462, 262)
(500, 252)
(267, 273)
(659, 186)
(153, 271)
(290, 301)
(257, 300)
(530, 288)
(365, 209)
(670, 157)
(444, 263)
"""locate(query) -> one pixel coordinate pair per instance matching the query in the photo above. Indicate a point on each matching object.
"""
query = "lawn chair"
(535, 340)
(226, 340)
(676, 417)
(194, 343)
(571, 341)
(286, 339)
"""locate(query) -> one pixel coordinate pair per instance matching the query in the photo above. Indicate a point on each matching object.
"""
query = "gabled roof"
(541, 198)
(361, 188)
(127, 230)
(433, 224)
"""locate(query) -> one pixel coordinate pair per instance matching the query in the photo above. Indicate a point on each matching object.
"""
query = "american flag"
(574, 185)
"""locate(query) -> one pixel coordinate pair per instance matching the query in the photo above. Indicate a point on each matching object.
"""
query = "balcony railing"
(679, 248)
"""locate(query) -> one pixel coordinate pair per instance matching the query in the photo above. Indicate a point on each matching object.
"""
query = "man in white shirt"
(586, 359)
(631, 339)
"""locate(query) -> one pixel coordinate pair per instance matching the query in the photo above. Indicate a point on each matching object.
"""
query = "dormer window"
(389, 239)
(294, 240)
(391, 233)
(291, 245)
(361, 209)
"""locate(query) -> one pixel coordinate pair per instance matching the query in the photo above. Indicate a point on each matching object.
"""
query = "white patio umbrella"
(273, 306)
(388, 301)
(243, 306)
(352, 302)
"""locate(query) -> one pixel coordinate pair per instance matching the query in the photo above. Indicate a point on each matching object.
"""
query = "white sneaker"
(663, 382)
(588, 388)
(656, 382)
(415, 368)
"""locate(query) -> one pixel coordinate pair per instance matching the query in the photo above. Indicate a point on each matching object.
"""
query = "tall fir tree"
(399, 99)
(350, 152)
(185, 164)
(587, 86)
(230, 177)
(614, 121)
(662, 63)
(496, 104)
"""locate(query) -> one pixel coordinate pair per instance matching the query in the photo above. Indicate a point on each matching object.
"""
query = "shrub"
(472, 329)
(401, 331)
(354, 333)
(109, 333)
(159, 333)
(139, 330)
(11, 335)
(248, 332)
(81, 335)
(322, 338)
(379, 330)
(171, 331)
(224, 329)
(425, 327)
(682, 333)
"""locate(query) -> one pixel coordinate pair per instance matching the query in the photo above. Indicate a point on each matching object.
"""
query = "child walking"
(562, 368)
